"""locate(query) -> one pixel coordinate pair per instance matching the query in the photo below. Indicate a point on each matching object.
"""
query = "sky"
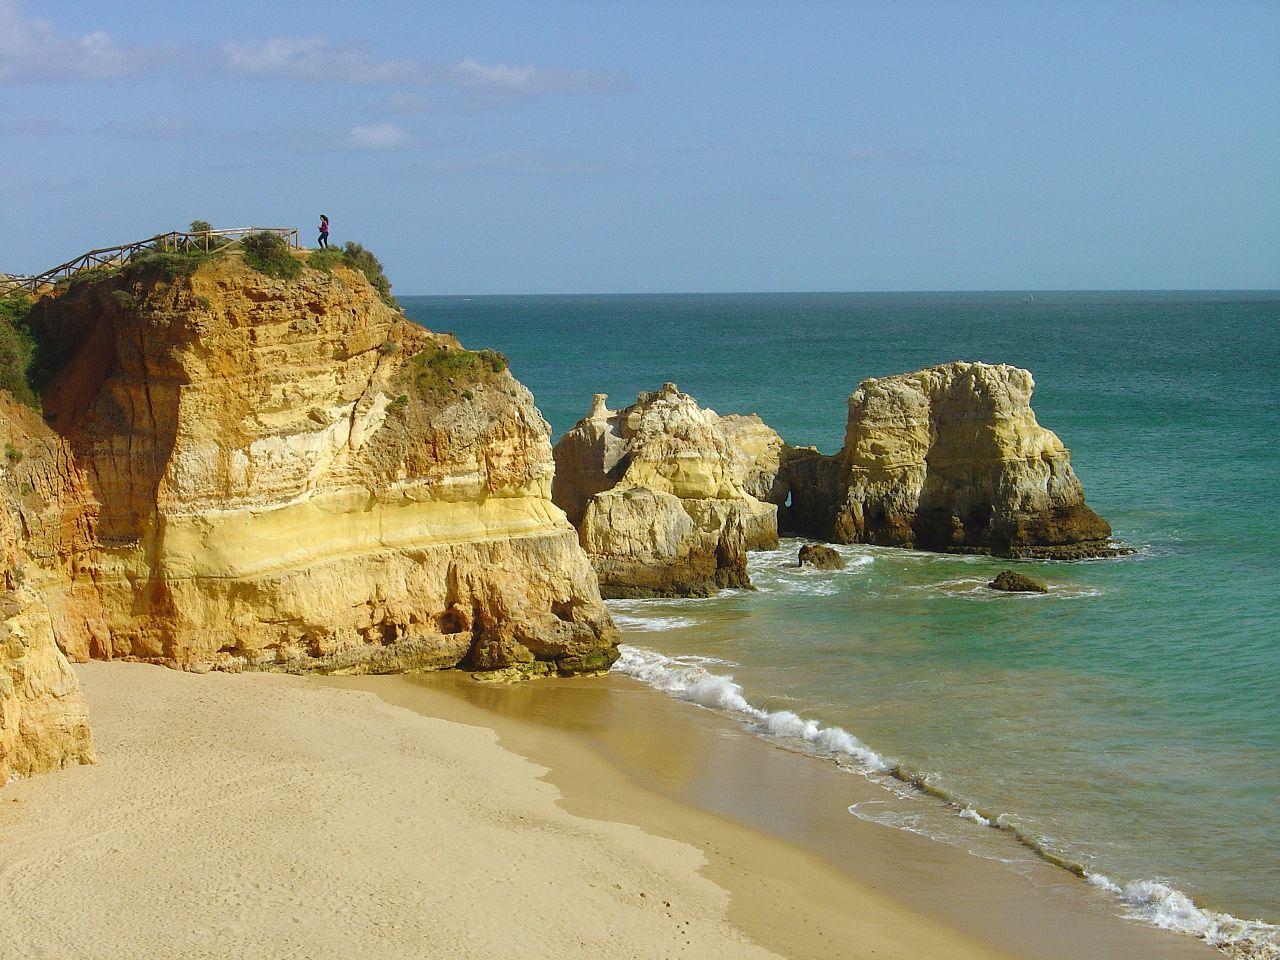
(549, 147)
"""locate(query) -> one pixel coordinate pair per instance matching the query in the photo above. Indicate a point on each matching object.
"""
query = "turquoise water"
(1128, 722)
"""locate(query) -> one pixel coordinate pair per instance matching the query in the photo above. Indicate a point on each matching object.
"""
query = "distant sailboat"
(1031, 298)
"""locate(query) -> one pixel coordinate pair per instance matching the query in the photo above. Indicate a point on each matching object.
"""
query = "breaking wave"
(1152, 901)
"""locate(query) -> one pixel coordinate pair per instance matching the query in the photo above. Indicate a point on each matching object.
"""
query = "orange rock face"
(43, 720)
(287, 474)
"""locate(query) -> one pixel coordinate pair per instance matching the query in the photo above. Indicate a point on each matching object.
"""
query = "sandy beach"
(268, 816)
(254, 815)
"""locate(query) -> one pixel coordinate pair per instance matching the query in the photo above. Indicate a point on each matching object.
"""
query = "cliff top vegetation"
(17, 348)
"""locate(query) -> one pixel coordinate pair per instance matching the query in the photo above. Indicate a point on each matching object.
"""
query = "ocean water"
(1127, 724)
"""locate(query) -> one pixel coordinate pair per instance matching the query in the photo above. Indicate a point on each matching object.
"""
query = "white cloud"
(376, 137)
(316, 60)
(31, 50)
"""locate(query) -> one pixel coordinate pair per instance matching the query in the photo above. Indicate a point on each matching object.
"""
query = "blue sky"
(548, 147)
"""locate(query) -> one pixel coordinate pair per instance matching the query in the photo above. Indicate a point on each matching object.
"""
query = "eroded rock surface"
(950, 458)
(1010, 581)
(43, 720)
(659, 492)
(820, 556)
(288, 474)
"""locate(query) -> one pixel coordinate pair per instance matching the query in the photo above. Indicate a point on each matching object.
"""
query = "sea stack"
(285, 473)
(658, 492)
(950, 459)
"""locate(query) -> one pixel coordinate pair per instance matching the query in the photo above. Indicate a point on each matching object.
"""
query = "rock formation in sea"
(949, 458)
(820, 557)
(661, 494)
(287, 474)
(43, 720)
(1010, 581)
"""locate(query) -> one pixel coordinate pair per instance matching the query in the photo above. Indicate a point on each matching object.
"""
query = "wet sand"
(267, 816)
(807, 879)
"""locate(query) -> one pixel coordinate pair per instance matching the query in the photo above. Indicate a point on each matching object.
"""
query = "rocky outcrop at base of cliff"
(43, 720)
(950, 458)
(659, 493)
(287, 474)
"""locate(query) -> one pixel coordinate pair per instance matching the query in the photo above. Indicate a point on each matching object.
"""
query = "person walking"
(324, 232)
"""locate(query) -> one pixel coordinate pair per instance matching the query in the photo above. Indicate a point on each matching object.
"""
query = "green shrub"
(168, 262)
(12, 453)
(363, 260)
(444, 371)
(356, 257)
(17, 347)
(269, 253)
(200, 226)
(87, 275)
(326, 260)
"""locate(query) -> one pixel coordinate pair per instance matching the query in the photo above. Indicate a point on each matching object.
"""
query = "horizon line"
(726, 293)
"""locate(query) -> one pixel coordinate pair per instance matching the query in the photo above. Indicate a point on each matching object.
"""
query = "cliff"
(43, 720)
(950, 458)
(287, 474)
(659, 493)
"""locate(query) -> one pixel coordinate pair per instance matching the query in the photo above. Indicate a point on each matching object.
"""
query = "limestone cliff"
(288, 474)
(43, 720)
(950, 458)
(659, 493)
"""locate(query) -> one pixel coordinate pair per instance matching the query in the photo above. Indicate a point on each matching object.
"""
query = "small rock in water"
(821, 556)
(1013, 582)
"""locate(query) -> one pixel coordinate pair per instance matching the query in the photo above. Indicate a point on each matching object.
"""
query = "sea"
(1127, 724)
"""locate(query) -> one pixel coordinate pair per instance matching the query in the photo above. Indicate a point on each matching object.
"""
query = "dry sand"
(268, 816)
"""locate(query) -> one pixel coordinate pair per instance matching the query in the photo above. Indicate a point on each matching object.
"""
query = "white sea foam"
(1166, 907)
(976, 588)
(969, 813)
(686, 678)
(1151, 901)
(777, 571)
(651, 624)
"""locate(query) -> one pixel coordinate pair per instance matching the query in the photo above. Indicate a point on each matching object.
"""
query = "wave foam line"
(685, 678)
(1156, 903)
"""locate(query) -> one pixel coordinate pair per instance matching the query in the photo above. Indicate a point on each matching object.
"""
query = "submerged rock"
(288, 474)
(659, 494)
(821, 556)
(951, 459)
(1010, 581)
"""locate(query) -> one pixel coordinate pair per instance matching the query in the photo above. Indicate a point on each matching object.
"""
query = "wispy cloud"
(159, 127)
(358, 138)
(376, 137)
(525, 162)
(316, 60)
(866, 156)
(891, 155)
(32, 50)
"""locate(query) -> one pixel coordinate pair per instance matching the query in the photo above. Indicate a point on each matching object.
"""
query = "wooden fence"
(174, 242)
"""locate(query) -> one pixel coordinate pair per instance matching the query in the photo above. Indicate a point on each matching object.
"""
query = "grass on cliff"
(439, 372)
(356, 257)
(269, 253)
(17, 348)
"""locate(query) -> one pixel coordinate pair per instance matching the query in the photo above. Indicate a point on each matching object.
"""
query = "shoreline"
(604, 739)
(265, 815)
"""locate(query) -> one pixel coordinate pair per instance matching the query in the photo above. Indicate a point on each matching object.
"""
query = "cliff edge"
(284, 473)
